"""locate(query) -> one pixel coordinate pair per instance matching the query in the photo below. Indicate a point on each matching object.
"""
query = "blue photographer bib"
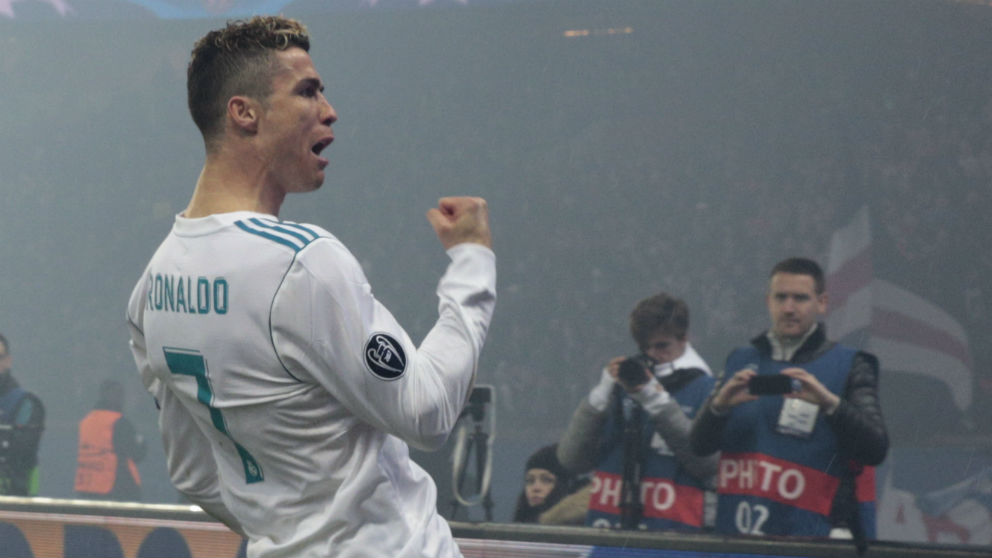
(671, 498)
(778, 472)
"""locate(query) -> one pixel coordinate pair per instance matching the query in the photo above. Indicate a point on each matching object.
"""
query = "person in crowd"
(548, 496)
(797, 422)
(632, 430)
(109, 449)
(288, 393)
(22, 420)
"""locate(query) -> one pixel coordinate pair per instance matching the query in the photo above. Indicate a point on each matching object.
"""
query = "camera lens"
(632, 371)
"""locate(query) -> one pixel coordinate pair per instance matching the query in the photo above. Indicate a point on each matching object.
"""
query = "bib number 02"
(750, 519)
(191, 363)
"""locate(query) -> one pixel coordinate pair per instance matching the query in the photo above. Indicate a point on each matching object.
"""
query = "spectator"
(546, 497)
(789, 461)
(109, 450)
(22, 420)
(634, 429)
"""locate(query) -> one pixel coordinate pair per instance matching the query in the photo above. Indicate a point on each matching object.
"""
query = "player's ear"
(243, 112)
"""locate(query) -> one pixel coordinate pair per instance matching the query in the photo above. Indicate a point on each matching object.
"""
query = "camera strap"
(679, 378)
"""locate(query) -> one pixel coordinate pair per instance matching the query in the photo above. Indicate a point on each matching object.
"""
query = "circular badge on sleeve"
(384, 356)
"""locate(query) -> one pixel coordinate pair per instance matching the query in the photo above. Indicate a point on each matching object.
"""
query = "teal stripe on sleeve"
(281, 228)
(314, 235)
(275, 238)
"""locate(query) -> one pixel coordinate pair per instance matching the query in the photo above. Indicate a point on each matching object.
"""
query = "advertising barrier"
(45, 527)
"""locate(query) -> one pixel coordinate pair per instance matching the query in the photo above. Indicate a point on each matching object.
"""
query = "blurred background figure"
(548, 495)
(22, 419)
(796, 405)
(109, 449)
(632, 430)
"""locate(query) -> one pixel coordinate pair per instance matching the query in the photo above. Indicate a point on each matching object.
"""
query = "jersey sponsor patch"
(384, 356)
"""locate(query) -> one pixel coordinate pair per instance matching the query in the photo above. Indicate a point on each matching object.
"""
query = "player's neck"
(224, 188)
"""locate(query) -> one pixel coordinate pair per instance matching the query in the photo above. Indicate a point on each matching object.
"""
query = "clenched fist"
(461, 219)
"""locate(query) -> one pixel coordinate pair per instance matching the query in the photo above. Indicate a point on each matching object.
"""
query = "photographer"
(633, 428)
(796, 423)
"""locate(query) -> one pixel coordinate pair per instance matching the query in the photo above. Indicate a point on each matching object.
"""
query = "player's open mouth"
(321, 145)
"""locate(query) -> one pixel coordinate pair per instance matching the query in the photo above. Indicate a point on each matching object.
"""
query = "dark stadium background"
(624, 146)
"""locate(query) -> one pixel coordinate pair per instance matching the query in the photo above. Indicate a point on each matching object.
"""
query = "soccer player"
(287, 392)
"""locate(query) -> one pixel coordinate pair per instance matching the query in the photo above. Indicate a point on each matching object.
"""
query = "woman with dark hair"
(546, 484)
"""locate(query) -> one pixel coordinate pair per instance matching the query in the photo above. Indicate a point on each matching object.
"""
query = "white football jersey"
(288, 393)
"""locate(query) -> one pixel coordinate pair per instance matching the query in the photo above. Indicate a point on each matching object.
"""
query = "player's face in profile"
(295, 124)
(793, 304)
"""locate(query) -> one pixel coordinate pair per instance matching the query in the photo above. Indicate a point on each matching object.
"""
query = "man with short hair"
(790, 459)
(632, 430)
(22, 420)
(287, 392)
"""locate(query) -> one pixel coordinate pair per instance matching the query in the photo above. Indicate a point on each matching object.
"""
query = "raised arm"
(330, 329)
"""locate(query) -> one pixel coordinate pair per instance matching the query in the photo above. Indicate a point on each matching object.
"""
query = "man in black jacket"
(22, 419)
(797, 422)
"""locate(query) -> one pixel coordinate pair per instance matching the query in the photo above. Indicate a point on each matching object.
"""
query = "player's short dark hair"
(659, 313)
(236, 60)
(802, 266)
(6, 345)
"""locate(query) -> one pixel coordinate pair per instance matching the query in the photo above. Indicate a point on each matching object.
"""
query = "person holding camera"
(796, 423)
(632, 430)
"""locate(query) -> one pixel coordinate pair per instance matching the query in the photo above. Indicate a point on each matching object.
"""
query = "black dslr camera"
(632, 369)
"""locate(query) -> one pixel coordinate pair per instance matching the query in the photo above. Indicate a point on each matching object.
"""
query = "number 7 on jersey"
(188, 362)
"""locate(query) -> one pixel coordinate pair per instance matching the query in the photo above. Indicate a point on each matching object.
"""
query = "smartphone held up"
(773, 384)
